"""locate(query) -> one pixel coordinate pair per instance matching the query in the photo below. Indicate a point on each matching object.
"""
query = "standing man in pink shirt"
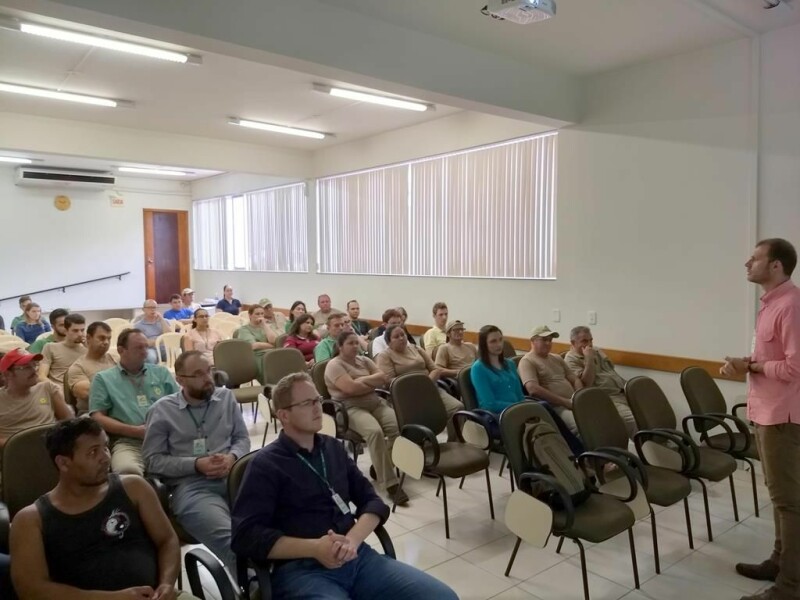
(773, 404)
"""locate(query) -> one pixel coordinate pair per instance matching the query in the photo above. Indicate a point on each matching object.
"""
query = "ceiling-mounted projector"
(521, 11)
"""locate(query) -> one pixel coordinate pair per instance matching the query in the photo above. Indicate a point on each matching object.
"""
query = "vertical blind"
(265, 230)
(483, 212)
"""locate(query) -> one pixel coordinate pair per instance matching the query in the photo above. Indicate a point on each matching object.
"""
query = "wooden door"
(166, 253)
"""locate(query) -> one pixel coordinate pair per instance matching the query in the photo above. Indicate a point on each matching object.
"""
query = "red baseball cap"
(17, 358)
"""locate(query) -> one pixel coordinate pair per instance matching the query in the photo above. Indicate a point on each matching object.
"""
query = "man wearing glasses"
(192, 439)
(304, 506)
(25, 401)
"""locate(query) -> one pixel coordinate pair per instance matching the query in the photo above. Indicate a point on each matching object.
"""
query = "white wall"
(41, 247)
(234, 183)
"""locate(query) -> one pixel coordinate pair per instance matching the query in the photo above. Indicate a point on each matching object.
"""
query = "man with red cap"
(25, 401)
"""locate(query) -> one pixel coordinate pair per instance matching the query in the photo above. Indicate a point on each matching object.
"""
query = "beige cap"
(187, 291)
(265, 302)
(543, 331)
(452, 324)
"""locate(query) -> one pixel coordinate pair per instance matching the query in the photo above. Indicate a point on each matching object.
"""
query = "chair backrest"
(318, 375)
(468, 395)
(236, 358)
(43, 335)
(225, 327)
(117, 323)
(417, 401)
(236, 475)
(598, 421)
(508, 350)
(516, 359)
(10, 342)
(513, 422)
(171, 342)
(703, 395)
(28, 471)
(4, 332)
(281, 340)
(281, 362)
(649, 405)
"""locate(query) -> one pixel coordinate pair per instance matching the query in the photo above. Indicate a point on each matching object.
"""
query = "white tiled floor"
(474, 559)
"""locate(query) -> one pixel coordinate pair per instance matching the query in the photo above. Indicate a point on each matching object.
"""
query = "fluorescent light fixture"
(152, 171)
(107, 43)
(317, 135)
(56, 95)
(15, 160)
(373, 98)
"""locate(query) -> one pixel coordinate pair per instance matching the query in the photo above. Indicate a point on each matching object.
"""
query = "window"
(263, 230)
(483, 212)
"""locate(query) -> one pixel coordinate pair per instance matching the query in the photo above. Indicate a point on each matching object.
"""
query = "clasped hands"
(334, 549)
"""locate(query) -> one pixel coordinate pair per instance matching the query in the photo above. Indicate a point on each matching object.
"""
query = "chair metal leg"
(708, 512)
(446, 515)
(633, 559)
(655, 540)
(439, 487)
(513, 555)
(489, 491)
(688, 523)
(733, 499)
(399, 486)
(583, 569)
(503, 465)
(461, 483)
(255, 412)
(264, 439)
(560, 543)
(753, 480)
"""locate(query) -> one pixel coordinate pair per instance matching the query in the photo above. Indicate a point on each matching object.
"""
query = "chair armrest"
(386, 541)
(383, 393)
(5, 528)
(198, 556)
(339, 415)
(481, 419)
(634, 463)
(738, 407)
(716, 421)
(690, 455)
(740, 425)
(527, 480)
(449, 385)
(604, 458)
(221, 378)
(161, 490)
(419, 434)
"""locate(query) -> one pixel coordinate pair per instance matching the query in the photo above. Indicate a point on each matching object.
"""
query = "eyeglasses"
(307, 403)
(206, 374)
(31, 366)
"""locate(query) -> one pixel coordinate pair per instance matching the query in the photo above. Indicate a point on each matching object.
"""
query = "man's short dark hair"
(174, 297)
(389, 313)
(56, 315)
(282, 392)
(253, 308)
(90, 331)
(124, 336)
(349, 302)
(74, 319)
(24, 300)
(333, 316)
(439, 306)
(181, 361)
(61, 438)
(782, 251)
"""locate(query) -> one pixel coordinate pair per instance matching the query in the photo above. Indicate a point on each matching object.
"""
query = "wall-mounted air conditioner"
(64, 178)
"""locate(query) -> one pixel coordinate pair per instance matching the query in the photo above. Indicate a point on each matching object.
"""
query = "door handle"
(150, 261)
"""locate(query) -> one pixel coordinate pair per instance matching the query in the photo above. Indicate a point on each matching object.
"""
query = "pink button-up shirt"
(774, 395)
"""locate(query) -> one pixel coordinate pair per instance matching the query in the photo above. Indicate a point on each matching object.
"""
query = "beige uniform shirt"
(605, 376)
(59, 356)
(363, 367)
(413, 360)
(450, 356)
(550, 373)
(84, 369)
(36, 408)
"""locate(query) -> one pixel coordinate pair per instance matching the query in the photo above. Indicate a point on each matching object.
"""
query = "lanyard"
(202, 421)
(137, 381)
(324, 475)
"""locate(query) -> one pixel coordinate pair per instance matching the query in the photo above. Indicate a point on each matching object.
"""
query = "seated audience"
(58, 334)
(325, 310)
(326, 348)
(256, 335)
(119, 398)
(400, 358)
(81, 373)
(152, 325)
(302, 337)
(32, 325)
(363, 344)
(274, 322)
(298, 308)
(193, 438)
(177, 312)
(352, 380)
(391, 317)
(228, 303)
(494, 377)
(59, 356)
(23, 302)
(360, 326)
(25, 401)
(594, 369)
(187, 300)
(456, 354)
(201, 336)
(285, 513)
(436, 336)
(95, 535)
(546, 376)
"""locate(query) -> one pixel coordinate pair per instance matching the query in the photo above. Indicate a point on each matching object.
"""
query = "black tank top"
(105, 548)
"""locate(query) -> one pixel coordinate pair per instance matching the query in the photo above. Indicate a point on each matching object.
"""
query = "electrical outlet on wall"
(592, 317)
(556, 315)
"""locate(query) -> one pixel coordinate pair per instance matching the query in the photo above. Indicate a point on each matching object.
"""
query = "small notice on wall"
(116, 200)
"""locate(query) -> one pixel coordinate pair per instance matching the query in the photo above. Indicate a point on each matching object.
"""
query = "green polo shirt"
(126, 397)
(37, 346)
(324, 349)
